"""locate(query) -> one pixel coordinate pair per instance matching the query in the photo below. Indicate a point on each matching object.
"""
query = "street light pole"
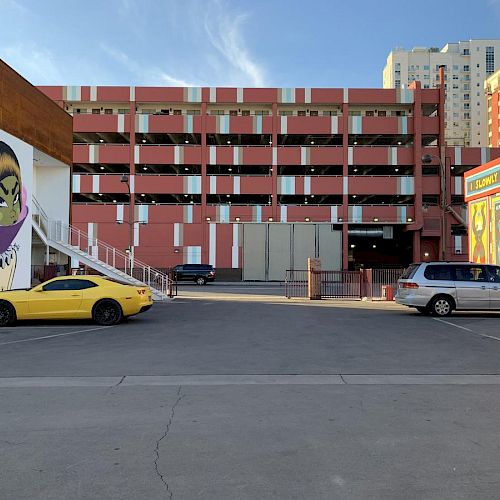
(125, 179)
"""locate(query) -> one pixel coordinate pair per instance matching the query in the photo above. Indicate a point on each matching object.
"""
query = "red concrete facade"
(203, 161)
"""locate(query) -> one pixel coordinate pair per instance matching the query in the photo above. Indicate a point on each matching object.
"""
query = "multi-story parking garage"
(254, 180)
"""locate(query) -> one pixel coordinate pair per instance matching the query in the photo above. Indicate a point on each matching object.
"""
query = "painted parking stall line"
(468, 330)
(46, 337)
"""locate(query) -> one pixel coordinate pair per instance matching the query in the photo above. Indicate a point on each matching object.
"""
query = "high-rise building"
(255, 180)
(467, 65)
(492, 88)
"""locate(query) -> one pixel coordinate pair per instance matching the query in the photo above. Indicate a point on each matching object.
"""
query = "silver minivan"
(440, 287)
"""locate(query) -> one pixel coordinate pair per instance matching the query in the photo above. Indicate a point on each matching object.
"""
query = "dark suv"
(199, 273)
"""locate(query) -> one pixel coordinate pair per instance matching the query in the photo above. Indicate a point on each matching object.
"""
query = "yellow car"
(75, 297)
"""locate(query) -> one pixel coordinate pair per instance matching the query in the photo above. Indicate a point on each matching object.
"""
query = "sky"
(252, 43)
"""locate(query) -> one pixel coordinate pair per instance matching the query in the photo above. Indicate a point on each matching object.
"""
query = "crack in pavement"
(164, 435)
(113, 387)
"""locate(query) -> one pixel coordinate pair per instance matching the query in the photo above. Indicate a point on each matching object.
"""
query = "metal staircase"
(98, 255)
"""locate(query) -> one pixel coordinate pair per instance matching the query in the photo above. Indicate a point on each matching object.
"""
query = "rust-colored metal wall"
(30, 115)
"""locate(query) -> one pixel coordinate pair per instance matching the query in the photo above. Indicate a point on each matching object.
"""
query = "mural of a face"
(10, 187)
(10, 213)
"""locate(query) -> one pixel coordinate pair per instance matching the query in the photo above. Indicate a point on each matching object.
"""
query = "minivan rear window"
(438, 272)
(410, 272)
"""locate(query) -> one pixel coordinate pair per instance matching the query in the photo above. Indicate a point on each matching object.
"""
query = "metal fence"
(368, 283)
(381, 278)
(341, 284)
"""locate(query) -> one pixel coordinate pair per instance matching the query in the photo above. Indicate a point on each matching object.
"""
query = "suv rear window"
(439, 272)
(409, 272)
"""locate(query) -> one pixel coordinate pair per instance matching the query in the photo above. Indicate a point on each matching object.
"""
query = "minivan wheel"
(200, 280)
(423, 310)
(441, 306)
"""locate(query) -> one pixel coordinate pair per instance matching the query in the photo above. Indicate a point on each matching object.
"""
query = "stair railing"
(95, 249)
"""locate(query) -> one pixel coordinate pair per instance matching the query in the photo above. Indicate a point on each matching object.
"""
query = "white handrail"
(96, 249)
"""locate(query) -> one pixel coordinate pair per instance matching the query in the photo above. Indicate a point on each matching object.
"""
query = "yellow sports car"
(75, 297)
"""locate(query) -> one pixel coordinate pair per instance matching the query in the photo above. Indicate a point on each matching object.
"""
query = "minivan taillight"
(211, 273)
(408, 284)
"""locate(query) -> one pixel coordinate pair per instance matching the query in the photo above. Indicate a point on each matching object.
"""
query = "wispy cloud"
(224, 30)
(35, 63)
(144, 73)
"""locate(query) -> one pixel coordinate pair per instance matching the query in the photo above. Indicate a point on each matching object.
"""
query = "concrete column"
(314, 278)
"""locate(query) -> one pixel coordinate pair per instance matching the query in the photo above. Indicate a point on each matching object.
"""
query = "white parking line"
(453, 324)
(467, 329)
(57, 335)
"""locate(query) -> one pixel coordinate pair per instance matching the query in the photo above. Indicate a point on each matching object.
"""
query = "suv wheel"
(200, 280)
(442, 306)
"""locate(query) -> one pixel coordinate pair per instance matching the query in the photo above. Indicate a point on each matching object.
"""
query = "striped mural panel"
(213, 94)
(459, 185)
(305, 155)
(213, 184)
(402, 125)
(222, 124)
(72, 93)
(136, 234)
(355, 124)
(284, 124)
(131, 181)
(307, 184)
(334, 214)
(392, 156)
(192, 255)
(404, 96)
(137, 154)
(350, 155)
(239, 95)
(192, 94)
(236, 184)
(458, 156)
(283, 213)
(401, 214)
(132, 93)
(237, 155)
(93, 93)
(458, 244)
(213, 155)
(334, 124)
(119, 212)
(212, 244)
(345, 185)
(257, 124)
(178, 234)
(406, 185)
(257, 213)
(93, 153)
(192, 184)
(275, 156)
(95, 183)
(346, 95)
(75, 185)
(188, 214)
(142, 213)
(287, 184)
(485, 155)
(356, 214)
(121, 123)
(235, 248)
(223, 213)
(142, 123)
(307, 95)
(178, 155)
(286, 95)
(188, 124)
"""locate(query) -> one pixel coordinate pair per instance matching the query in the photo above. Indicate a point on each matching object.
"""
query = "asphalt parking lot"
(237, 392)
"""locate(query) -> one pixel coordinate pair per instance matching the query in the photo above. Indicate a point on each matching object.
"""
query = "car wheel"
(423, 310)
(442, 306)
(200, 280)
(7, 314)
(107, 313)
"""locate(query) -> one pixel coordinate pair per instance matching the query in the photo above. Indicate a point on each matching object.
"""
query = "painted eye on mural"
(16, 199)
(3, 203)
